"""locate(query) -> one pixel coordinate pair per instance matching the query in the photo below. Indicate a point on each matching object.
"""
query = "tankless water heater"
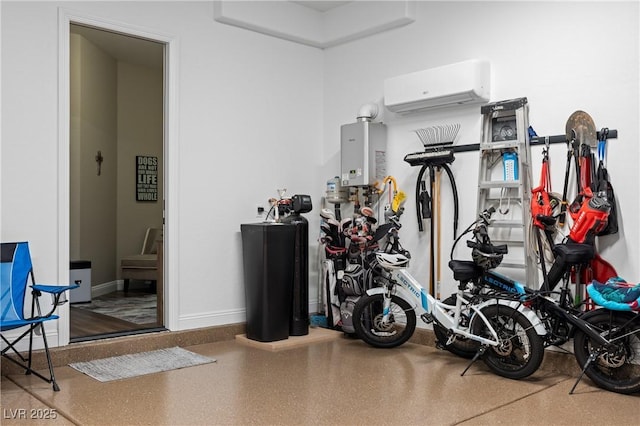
(363, 149)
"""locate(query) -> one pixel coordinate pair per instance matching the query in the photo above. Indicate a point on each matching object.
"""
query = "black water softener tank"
(299, 319)
(268, 278)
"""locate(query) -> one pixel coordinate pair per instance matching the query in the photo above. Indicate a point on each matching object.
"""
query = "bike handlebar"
(485, 216)
(482, 241)
(480, 234)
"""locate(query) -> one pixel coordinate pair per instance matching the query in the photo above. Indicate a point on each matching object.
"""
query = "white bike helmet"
(392, 260)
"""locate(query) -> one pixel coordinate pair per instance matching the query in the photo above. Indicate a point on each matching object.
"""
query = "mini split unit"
(460, 83)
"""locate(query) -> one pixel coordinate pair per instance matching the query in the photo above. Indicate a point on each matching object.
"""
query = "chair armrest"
(53, 289)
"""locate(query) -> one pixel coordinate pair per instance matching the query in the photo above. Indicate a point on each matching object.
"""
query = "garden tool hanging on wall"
(437, 156)
(602, 183)
(583, 137)
(543, 206)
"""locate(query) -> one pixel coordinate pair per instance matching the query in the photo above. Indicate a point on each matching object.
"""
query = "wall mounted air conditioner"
(460, 83)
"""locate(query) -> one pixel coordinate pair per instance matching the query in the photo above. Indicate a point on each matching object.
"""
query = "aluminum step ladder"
(504, 182)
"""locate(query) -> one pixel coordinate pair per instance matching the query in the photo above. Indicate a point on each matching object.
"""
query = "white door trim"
(67, 17)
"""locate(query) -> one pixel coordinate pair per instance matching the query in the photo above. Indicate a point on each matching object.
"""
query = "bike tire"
(366, 321)
(521, 350)
(461, 346)
(618, 368)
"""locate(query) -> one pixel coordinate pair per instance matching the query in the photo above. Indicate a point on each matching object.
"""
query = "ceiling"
(147, 53)
(319, 24)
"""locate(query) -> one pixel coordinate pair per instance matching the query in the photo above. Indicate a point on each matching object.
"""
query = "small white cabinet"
(80, 273)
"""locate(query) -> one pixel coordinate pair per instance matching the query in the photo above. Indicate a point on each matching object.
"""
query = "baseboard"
(230, 316)
(215, 319)
(105, 288)
(112, 286)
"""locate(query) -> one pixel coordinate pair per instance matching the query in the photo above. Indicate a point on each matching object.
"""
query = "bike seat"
(574, 254)
(465, 270)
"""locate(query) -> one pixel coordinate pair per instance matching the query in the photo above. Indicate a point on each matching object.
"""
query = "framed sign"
(146, 178)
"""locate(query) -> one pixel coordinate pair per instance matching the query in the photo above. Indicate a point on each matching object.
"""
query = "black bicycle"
(606, 341)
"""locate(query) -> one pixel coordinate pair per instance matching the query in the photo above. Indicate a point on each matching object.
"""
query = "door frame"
(170, 156)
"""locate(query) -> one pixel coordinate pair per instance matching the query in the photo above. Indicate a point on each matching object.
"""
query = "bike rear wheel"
(617, 367)
(460, 346)
(520, 351)
(367, 321)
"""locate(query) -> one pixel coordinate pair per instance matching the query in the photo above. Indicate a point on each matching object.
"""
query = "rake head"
(438, 135)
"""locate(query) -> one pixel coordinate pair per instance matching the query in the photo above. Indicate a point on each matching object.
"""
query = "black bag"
(603, 184)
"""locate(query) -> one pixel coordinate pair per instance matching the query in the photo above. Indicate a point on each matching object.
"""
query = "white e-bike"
(504, 332)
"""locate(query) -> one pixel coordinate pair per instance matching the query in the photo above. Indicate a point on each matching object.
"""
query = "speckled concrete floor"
(338, 382)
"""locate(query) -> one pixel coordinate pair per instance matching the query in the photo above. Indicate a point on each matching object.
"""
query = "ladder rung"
(488, 184)
(491, 146)
(496, 200)
(504, 223)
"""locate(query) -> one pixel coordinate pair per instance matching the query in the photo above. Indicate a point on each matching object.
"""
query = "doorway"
(116, 192)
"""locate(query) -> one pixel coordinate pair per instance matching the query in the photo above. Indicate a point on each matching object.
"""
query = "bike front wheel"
(520, 350)
(369, 325)
(615, 368)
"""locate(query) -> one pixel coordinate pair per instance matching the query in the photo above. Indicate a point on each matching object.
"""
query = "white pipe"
(368, 112)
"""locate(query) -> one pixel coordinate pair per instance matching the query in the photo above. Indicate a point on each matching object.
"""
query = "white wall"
(256, 113)
(562, 56)
(94, 128)
(140, 133)
(249, 121)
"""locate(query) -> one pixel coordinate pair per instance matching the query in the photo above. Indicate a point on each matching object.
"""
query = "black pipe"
(536, 140)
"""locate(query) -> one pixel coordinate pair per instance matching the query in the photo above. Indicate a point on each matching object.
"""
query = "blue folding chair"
(16, 269)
